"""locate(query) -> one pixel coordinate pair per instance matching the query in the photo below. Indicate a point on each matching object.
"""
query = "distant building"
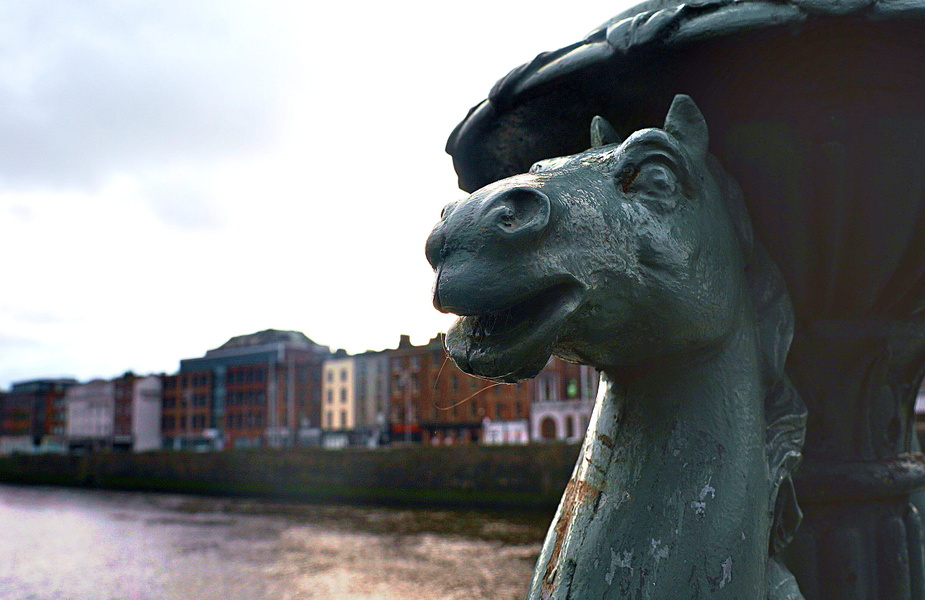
(337, 387)
(505, 432)
(90, 415)
(33, 415)
(260, 389)
(355, 398)
(563, 402)
(119, 414)
(432, 400)
(145, 414)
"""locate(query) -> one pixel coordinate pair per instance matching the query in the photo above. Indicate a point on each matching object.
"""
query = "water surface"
(66, 544)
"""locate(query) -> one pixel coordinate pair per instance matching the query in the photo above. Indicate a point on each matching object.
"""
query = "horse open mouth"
(509, 344)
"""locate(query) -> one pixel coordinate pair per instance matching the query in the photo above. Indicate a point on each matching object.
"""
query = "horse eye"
(627, 177)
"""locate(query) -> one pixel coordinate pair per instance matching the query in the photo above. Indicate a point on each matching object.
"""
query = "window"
(571, 389)
(343, 419)
(330, 375)
(454, 382)
(343, 374)
(330, 396)
(343, 395)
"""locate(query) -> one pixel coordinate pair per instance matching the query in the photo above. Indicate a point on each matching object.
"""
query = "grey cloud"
(91, 88)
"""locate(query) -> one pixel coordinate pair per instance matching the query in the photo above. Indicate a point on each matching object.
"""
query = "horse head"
(613, 257)
(637, 257)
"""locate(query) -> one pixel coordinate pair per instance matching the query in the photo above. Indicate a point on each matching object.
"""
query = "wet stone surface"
(62, 544)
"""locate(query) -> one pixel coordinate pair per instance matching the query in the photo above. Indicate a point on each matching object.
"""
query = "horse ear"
(603, 133)
(686, 123)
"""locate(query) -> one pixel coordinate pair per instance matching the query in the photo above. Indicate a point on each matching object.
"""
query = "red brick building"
(260, 389)
(432, 400)
(186, 409)
(35, 409)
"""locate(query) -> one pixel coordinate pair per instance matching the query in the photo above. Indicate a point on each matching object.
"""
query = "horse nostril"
(517, 211)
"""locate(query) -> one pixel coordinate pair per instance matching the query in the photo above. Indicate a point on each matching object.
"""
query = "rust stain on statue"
(577, 492)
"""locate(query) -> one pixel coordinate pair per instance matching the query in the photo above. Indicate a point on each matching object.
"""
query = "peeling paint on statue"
(637, 257)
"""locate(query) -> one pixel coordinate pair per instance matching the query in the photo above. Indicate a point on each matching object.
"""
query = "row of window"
(343, 395)
(471, 410)
(199, 422)
(245, 419)
(330, 375)
(329, 420)
(246, 398)
(197, 400)
(170, 422)
(246, 375)
(194, 380)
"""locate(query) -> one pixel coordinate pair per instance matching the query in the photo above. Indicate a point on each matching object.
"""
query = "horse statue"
(637, 257)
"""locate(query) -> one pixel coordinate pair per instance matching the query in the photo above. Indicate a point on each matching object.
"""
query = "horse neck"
(673, 462)
(660, 419)
(716, 391)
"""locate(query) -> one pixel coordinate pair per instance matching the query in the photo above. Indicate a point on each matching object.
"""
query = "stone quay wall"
(480, 476)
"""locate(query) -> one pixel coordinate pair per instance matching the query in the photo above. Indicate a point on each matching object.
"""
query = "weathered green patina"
(638, 258)
(817, 110)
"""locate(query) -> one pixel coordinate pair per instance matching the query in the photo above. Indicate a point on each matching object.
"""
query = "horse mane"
(785, 413)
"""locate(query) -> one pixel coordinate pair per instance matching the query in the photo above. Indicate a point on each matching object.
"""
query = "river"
(68, 544)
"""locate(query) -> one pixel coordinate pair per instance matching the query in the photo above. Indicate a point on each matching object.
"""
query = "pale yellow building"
(338, 396)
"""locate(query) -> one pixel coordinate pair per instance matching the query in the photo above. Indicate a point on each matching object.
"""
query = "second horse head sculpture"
(638, 257)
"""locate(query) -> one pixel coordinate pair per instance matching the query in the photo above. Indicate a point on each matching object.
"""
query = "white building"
(560, 420)
(146, 414)
(564, 399)
(505, 432)
(90, 414)
(125, 413)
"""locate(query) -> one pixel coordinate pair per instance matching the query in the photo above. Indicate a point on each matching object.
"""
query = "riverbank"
(532, 476)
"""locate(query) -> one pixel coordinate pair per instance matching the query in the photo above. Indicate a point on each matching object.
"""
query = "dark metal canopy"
(818, 110)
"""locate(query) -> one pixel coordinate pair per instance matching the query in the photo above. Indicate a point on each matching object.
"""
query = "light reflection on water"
(62, 544)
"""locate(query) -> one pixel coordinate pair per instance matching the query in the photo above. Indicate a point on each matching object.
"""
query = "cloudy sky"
(174, 173)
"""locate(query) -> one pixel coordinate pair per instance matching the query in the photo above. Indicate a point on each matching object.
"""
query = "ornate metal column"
(817, 109)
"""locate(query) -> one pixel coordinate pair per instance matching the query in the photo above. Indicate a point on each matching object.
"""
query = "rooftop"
(268, 336)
